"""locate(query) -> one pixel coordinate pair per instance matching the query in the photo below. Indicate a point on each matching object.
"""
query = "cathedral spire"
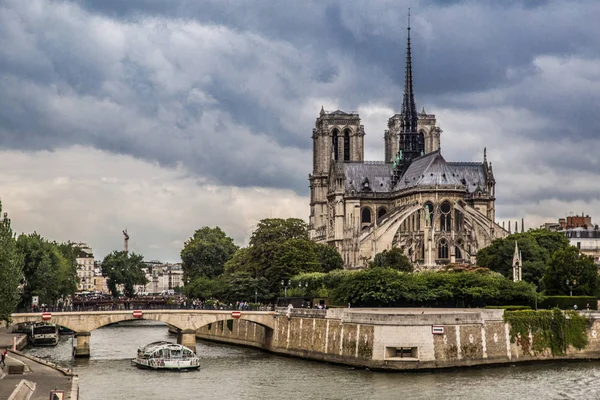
(409, 109)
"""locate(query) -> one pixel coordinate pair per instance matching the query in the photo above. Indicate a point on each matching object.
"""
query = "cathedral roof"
(471, 174)
(428, 170)
(378, 175)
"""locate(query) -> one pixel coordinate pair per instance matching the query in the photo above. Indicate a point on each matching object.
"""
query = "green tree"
(328, 257)
(551, 241)
(205, 253)
(49, 269)
(272, 230)
(11, 269)
(394, 259)
(243, 261)
(241, 286)
(386, 287)
(579, 269)
(123, 268)
(499, 255)
(280, 249)
(200, 288)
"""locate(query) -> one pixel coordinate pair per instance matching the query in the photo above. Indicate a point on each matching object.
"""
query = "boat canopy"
(166, 350)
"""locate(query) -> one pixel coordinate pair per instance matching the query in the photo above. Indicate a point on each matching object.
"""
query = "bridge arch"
(186, 321)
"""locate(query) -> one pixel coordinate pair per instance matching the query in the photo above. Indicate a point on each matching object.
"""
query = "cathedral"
(436, 211)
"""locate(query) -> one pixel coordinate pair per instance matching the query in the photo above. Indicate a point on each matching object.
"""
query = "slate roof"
(471, 174)
(428, 170)
(379, 175)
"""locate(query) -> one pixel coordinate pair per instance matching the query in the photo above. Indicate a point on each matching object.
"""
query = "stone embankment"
(394, 339)
(28, 377)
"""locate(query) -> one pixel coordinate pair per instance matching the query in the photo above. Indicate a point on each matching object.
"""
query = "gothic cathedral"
(438, 212)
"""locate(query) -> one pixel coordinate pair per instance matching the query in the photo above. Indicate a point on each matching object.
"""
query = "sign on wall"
(438, 329)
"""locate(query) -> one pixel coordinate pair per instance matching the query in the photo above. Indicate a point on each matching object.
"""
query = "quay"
(27, 377)
(375, 338)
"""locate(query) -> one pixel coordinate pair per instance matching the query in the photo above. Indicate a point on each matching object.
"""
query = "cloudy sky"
(165, 116)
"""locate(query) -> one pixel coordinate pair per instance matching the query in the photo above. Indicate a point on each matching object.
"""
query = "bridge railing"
(113, 306)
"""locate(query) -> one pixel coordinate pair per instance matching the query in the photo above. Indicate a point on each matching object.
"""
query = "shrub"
(568, 302)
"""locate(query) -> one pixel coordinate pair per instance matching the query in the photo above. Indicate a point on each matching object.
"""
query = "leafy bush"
(568, 302)
(554, 330)
(385, 287)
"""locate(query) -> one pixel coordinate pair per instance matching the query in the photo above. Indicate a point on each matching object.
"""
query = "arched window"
(458, 220)
(443, 249)
(335, 143)
(422, 142)
(381, 212)
(347, 145)
(365, 215)
(457, 252)
(445, 217)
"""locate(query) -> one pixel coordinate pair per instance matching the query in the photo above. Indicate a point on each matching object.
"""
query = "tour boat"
(44, 334)
(166, 355)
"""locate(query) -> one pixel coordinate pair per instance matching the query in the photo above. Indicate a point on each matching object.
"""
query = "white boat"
(44, 334)
(166, 355)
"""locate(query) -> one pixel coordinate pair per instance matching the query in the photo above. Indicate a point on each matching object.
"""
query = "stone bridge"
(187, 322)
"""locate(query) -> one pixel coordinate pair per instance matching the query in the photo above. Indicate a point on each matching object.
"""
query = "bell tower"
(338, 137)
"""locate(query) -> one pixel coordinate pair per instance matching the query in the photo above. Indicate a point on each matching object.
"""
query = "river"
(229, 372)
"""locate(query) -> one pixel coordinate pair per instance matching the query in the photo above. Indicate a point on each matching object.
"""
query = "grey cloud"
(226, 88)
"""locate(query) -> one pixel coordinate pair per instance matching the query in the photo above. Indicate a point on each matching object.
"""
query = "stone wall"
(392, 339)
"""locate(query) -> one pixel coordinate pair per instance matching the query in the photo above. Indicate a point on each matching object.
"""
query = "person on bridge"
(3, 358)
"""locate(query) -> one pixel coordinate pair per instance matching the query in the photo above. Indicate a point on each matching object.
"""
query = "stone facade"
(394, 339)
(438, 212)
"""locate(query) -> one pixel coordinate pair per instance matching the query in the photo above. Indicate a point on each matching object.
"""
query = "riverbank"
(404, 339)
(28, 377)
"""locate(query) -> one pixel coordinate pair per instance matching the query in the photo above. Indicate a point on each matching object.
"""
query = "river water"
(229, 372)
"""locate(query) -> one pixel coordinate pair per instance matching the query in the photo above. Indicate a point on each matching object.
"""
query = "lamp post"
(570, 286)
(305, 286)
(285, 287)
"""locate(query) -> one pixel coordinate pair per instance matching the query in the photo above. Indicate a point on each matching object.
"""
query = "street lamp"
(305, 286)
(285, 287)
(571, 286)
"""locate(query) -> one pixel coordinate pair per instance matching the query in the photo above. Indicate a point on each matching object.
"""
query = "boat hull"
(166, 365)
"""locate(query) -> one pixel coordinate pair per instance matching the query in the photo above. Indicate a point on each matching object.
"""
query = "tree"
(200, 288)
(280, 249)
(385, 287)
(328, 257)
(394, 259)
(49, 269)
(205, 253)
(123, 268)
(11, 269)
(579, 269)
(551, 241)
(241, 287)
(271, 230)
(536, 246)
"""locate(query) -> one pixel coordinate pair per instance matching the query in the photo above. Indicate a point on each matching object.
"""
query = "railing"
(115, 306)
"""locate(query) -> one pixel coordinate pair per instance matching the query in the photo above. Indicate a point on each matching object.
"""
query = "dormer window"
(366, 186)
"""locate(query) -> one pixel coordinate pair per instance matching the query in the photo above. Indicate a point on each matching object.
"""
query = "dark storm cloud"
(230, 89)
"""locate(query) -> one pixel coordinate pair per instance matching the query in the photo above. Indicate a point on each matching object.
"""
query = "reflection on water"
(238, 373)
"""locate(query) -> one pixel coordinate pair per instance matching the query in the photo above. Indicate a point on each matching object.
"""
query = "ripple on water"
(240, 373)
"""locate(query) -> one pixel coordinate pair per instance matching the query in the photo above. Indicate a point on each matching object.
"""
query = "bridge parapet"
(88, 321)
